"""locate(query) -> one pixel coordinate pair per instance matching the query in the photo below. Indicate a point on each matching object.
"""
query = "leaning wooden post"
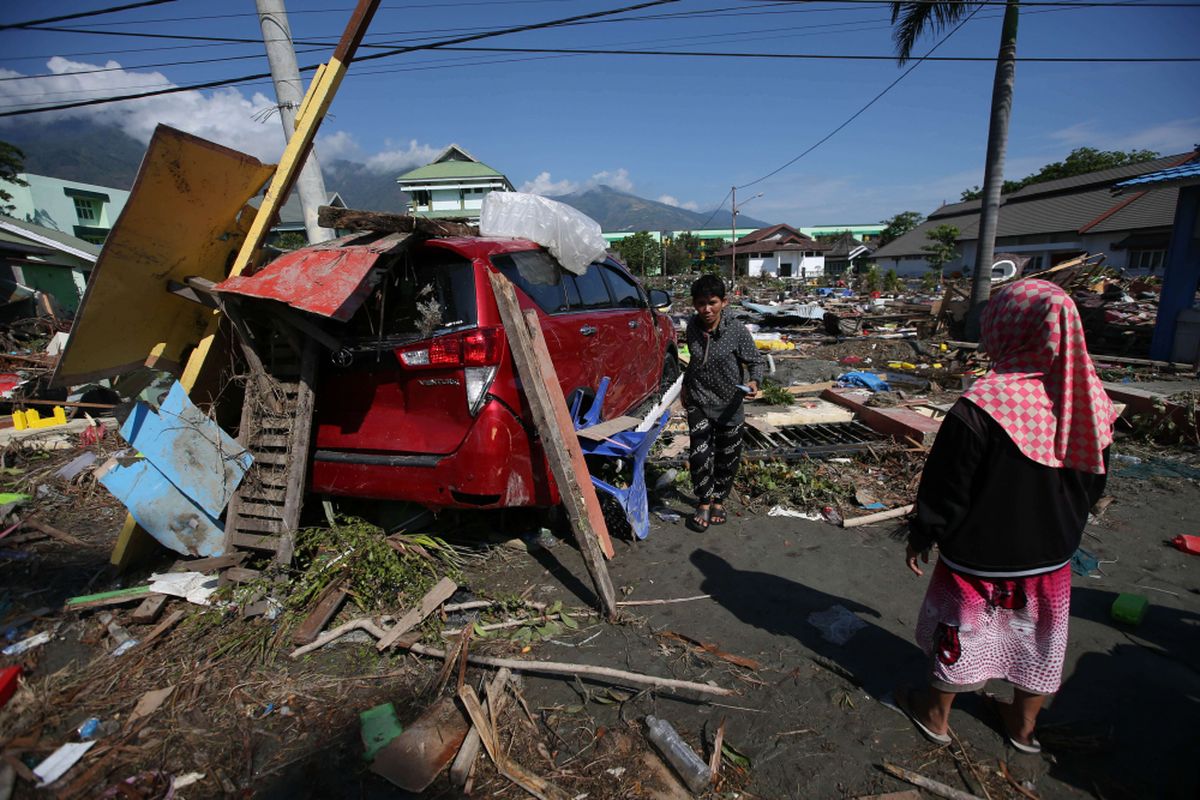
(553, 422)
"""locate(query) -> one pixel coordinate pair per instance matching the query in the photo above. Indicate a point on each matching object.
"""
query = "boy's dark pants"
(716, 450)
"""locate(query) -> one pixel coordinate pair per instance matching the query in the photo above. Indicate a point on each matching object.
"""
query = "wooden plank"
(601, 431)
(264, 493)
(162, 627)
(561, 446)
(439, 594)
(240, 575)
(268, 440)
(279, 459)
(537, 786)
(464, 762)
(260, 525)
(350, 219)
(902, 424)
(810, 388)
(211, 564)
(268, 510)
(114, 598)
(326, 606)
(254, 542)
(150, 608)
(301, 440)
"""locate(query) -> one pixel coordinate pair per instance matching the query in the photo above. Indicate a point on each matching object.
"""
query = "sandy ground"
(1122, 726)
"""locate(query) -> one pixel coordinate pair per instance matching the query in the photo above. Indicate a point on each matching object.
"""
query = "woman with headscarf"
(1017, 464)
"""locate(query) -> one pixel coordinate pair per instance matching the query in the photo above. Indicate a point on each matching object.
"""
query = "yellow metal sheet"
(184, 218)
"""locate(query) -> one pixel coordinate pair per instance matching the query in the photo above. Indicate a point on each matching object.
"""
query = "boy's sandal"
(698, 522)
(716, 514)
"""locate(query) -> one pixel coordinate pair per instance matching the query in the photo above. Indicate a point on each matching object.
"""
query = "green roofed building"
(453, 185)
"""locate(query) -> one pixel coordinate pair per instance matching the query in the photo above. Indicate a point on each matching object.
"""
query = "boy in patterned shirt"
(721, 349)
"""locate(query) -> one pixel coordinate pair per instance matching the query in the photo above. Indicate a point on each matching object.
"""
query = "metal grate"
(814, 440)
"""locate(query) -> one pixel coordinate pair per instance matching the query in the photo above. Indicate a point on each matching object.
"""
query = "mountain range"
(107, 156)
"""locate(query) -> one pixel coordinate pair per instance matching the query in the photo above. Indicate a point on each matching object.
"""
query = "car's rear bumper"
(492, 468)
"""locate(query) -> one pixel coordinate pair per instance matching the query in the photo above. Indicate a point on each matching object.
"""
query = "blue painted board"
(191, 450)
(164, 511)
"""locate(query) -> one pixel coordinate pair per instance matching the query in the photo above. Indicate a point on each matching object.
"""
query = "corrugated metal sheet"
(330, 282)
(1181, 173)
(1155, 209)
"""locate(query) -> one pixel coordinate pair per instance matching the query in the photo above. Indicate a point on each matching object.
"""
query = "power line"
(95, 13)
(826, 56)
(374, 56)
(870, 103)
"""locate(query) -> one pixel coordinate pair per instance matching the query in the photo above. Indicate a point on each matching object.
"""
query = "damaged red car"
(423, 404)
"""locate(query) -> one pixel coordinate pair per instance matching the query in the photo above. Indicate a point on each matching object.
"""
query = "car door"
(620, 347)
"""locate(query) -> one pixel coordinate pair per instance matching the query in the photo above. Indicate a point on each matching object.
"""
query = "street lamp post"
(733, 208)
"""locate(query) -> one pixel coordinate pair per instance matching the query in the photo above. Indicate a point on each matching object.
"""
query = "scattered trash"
(377, 727)
(93, 728)
(781, 511)
(186, 780)
(61, 760)
(837, 624)
(865, 380)
(71, 470)
(415, 757)
(25, 645)
(1085, 563)
(124, 648)
(1187, 544)
(1130, 608)
(667, 515)
(682, 758)
(195, 587)
(831, 515)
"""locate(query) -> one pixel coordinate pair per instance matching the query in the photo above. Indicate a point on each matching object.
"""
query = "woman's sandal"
(903, 699)
(717, 515)
(699, 521)
(993, 703)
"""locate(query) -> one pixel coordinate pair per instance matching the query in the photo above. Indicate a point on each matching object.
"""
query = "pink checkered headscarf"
(1042, 388)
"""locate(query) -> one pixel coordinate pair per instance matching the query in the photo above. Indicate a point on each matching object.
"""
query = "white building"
(780, 251)
(453, 185)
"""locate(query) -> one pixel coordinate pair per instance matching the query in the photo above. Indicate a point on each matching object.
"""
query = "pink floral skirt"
(977, 629)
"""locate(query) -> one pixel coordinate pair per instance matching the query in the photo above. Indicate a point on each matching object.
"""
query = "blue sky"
(679, 129)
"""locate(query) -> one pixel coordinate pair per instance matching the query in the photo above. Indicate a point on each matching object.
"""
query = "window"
(625, 292)
(591, 290)
(1149, 260)
(538, 275)
(1034, 264)
(421, 200)
(420, 296)
(87, 209)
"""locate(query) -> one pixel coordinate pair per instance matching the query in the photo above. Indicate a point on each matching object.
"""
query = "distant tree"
(869, 281)
(291, 240)
(640, 253)
(12, 163)
(892, 282)
(899, 225)
(930, 280)
(1081, 161)
(682, 252)
(943, 246)
(833, 237)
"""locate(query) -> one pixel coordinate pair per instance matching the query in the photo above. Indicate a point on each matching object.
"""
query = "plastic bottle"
(831, 515)
(683, 759)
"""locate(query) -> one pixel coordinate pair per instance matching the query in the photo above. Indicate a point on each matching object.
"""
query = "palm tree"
(911, 20)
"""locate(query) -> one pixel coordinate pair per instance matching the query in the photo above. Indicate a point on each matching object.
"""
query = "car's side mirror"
(660, 299)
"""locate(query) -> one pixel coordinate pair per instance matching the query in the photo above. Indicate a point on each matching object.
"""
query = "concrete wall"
(49, 202)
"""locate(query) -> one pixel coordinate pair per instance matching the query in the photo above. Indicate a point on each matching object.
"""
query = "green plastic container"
(1130, 608)
(378, 726)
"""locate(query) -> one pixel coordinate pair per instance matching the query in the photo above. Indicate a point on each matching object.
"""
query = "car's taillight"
(480, 347)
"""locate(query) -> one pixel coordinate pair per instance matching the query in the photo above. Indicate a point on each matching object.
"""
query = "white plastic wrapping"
(571, 236)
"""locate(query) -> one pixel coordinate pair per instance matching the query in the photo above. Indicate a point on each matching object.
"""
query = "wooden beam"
(439, 594)
(561, 446)
(902, 424)
(327, 605)
(350, 219)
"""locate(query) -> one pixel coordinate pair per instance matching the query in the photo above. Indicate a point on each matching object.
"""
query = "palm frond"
(915, 18)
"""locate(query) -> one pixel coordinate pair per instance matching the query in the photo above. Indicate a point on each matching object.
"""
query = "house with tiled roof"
(452, 185)
(845, 254)
(780, 251)
(1057, 220)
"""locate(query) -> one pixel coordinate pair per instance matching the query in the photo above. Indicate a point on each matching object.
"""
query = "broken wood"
(664, 602)
(535, 785)
(362, 623)
(52, 532)
(464, 762)
(891, 513)
(323, 611)
(559, 443)
(116, 597)
(239, 575)
(211, 564)
(150, 608)
(160, 629)
(714, 763)
(899, 423)
(439, 594)
(352, 220)
(601, 431)
(929, 785)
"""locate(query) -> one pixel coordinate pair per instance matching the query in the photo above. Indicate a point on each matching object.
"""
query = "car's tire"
(670, 371)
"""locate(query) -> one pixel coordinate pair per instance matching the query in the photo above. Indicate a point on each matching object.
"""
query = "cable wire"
(95, 13)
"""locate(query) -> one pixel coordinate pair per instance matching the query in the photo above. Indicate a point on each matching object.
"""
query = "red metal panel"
(329, 282)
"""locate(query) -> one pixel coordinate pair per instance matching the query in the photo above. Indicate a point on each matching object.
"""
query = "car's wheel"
(670, 372)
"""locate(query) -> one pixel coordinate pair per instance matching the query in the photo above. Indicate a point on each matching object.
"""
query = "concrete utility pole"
(289, 91)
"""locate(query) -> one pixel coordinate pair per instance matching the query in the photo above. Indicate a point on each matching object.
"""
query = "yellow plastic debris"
(23, 420)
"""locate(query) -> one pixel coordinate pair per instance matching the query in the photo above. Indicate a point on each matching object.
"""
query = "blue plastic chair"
(632, 445)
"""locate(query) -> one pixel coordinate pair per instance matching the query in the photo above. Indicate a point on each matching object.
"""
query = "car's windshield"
(418, 295)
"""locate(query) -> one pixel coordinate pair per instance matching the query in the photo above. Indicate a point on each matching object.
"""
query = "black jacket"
(992, 510)
(715, 368)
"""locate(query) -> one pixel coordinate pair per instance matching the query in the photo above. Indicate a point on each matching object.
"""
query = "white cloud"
(670, 200)
(1172, 136)
(226, 116)
(618, 180)
(401, 158)
(544, 185)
